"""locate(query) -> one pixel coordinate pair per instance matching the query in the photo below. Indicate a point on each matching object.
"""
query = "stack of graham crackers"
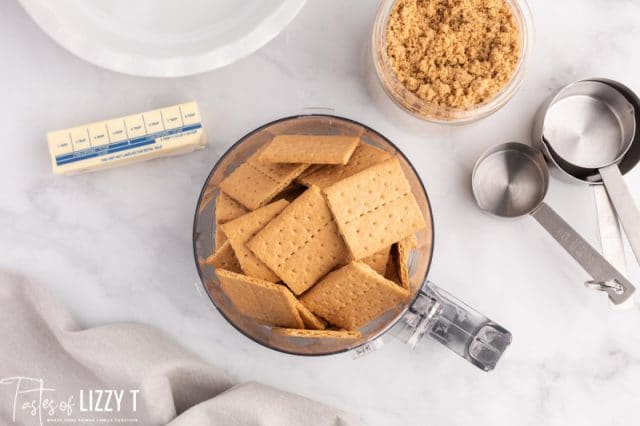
(313, 234)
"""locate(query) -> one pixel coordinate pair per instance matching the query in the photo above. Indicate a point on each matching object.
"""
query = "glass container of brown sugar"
(457, 75)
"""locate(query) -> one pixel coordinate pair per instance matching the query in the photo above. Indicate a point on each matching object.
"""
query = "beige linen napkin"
(51, 371)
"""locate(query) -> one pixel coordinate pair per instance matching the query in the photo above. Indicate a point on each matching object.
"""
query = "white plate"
(162, 38)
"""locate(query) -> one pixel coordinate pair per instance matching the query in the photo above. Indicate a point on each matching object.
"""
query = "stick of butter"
(105, 144)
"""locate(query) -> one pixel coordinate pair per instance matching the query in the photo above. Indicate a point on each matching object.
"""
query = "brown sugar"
(453, 53)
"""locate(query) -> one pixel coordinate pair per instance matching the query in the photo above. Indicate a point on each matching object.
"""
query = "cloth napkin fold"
(53, 371)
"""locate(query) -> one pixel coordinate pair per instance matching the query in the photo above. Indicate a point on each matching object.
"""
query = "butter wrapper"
(159, 133)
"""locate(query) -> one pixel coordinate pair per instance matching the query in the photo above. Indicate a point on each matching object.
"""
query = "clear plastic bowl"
(204, 232)
(429, 310)
(420, 108)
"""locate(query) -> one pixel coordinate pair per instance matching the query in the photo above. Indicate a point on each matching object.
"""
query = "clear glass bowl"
(420, 108)
(429, 311)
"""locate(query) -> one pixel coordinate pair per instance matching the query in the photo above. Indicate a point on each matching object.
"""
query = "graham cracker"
(254, 183)
(220, 238)
(226, 209)
(318, 334)
(291, 192)
(378, 261)
(404, 247)
(241, 229)
(391, 272)
(268, 303)
(309, 319)
(363, 157)
(302, 243)
(309, 170)
(310, 149)
(353, 295)
(411, 241)
(224, 258)
(374, 208)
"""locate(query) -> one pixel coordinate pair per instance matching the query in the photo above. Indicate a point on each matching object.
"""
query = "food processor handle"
(457, 326)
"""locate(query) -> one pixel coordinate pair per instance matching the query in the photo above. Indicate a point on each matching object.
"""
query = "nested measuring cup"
(604, 125)
(430, 310)
(510, 181)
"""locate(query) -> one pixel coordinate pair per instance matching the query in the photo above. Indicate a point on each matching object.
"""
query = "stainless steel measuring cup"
(511, 180)
(587, 129)
(609, 228)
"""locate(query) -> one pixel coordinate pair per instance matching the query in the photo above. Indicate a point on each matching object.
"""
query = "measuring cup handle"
(609, 229)
(457, 326)
(591, 261)
(622, 200)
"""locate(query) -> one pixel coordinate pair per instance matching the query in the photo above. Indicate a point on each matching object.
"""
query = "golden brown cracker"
(302, 244)
(310, 320)
(309, 170)
(241, 229)
(363, 157)
(411, 241)
(310, 149)
(378, 261)
(254, 183)
(291, 192)
(353, 295)
(374, 208)
(220, 238)
(404, 248)
(224, 258)
(318, 334)
(266, 302)
(228, 209)
(391, 272)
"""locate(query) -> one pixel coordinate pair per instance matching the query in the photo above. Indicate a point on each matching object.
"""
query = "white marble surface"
(116, 245)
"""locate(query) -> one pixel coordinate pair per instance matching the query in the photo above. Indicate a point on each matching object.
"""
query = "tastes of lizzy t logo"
(32, 400)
